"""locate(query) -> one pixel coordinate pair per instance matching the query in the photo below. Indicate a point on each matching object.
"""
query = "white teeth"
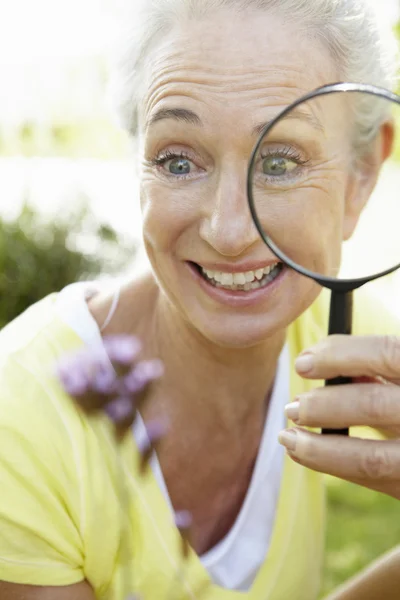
(227, 279)
(239, 279)
(250, 277)
(248, 281)
(260, 274)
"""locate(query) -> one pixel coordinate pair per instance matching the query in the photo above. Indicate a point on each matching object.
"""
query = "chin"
(236, 319)
(240, 329)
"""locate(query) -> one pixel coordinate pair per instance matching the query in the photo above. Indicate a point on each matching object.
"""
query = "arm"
(41, 547)
(380, 580)
(80, 591)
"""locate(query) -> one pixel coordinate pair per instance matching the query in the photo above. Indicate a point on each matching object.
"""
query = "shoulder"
(35, 414)
(57, 467)
(30, 347)
(38, 324)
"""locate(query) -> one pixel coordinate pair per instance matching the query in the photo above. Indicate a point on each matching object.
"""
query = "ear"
(362, 182)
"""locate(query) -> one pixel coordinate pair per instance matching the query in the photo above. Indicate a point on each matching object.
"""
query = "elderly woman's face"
(210, 85)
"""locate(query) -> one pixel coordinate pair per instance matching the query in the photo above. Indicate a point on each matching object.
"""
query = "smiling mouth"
(241, 282)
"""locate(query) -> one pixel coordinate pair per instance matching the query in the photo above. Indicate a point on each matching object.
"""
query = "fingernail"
(288, 438)
(292, 411)
(305, 364)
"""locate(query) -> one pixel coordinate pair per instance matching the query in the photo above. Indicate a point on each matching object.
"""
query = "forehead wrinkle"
(216, 109)
(285, 86)
(210, 69)
(185, 72)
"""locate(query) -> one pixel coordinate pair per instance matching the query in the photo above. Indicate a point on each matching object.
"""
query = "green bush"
(362, 525)
(38, 256)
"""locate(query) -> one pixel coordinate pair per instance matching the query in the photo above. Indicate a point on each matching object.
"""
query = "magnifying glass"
(324, 192)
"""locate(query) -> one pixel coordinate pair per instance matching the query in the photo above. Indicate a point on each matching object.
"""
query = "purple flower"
(107, 378)
(142, 374)
(122, 349)
(88, 376)
(120, 409)
(104, 380)
(73, 378)
(183, 520)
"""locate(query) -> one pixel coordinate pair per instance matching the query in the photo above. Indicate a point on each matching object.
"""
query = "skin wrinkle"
(166, 88)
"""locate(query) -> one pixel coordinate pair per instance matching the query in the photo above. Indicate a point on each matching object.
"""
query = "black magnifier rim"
(328, 282)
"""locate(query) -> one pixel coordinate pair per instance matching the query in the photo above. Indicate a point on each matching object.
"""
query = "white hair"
(362, 46)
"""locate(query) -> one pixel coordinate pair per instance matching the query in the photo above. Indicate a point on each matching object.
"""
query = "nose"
(227, 225)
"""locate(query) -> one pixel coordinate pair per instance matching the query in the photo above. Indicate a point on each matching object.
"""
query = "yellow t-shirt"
(73, 507)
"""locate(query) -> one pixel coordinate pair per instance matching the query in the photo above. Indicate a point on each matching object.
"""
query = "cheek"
(163, 214)
(169, 213)
(306, 222)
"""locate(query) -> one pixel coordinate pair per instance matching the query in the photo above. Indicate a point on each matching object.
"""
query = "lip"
(238, 299)
(238, 268)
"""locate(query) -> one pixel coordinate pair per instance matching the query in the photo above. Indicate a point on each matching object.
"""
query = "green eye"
(277, 166)
(179, 166)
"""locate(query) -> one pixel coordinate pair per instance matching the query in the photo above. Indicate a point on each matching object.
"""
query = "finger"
(353, 459)
(342, 406)
(352, 356)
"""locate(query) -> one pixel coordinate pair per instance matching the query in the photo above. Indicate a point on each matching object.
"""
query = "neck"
(219, 387)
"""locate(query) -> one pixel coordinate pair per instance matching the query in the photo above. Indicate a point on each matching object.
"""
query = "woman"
(76, 519)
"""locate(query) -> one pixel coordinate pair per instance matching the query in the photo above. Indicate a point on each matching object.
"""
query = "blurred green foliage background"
(39, 256)
(362, 525)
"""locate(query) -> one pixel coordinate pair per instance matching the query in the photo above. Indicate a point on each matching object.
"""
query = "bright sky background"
(29, 29)
(70, 28)
(32, 30)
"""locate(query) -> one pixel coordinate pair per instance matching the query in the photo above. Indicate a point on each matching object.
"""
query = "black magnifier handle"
(340, 322)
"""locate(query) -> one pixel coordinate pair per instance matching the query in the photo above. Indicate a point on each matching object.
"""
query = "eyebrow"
(185, 115)
(296, 113)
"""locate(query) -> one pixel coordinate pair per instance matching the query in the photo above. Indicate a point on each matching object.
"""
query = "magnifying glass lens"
(325, 184)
